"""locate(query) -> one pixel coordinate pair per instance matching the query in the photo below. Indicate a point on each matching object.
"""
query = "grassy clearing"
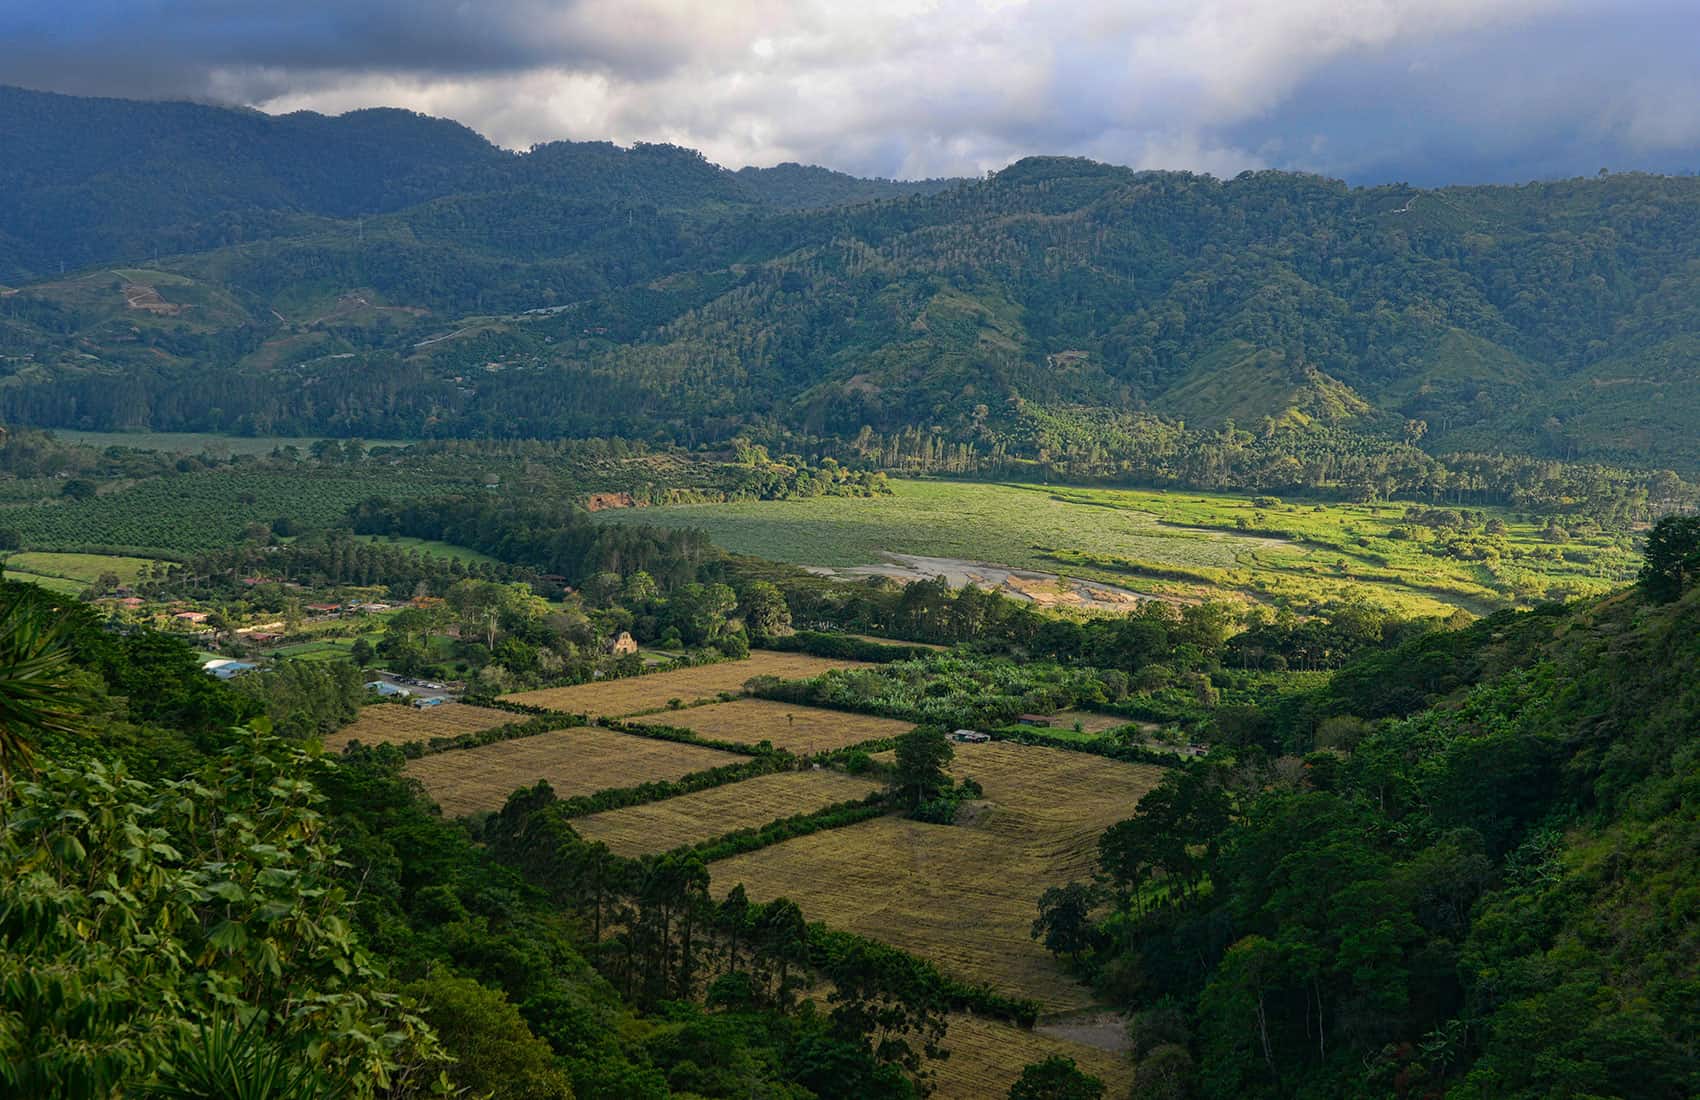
(637, 694)
(574, 761)
(325, 649)
(1089, 722)
(986, 1057)
(796, 729)
(85, 569)
(962, 895)
(398, 723)
(1166, 543)
(704, 815)
(433, 547)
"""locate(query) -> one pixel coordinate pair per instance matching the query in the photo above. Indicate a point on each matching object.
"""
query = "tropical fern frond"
(34, 697)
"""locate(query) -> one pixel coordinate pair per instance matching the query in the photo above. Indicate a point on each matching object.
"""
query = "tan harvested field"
(397, 724)
(962, 895)
(797, 729)
(637, 694)
(986, 1057)
(704, 815)
(574, 761)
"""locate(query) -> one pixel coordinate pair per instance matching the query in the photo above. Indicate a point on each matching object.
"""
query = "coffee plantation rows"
(190, 513)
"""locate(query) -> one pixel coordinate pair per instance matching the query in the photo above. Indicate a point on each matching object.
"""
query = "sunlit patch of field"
(798, 729)
(576, 761)
(1089, 721)
(638, 694)
(1178, 544)
(83, 569)
(962, 895)
(704, 815)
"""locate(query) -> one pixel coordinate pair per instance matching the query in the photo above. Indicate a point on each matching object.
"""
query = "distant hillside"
(86, 180)
(391, 275)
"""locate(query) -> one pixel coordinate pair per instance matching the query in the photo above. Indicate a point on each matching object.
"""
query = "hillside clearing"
(797, 729)
(638, 694)
(962, 895)
(704, 815)
(84, 569)
(432, 547)
(574, 761)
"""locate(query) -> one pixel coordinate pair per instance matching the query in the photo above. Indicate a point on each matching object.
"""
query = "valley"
(1177, 544)
(574, 621)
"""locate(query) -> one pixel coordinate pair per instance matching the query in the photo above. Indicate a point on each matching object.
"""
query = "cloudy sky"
(1427, 91)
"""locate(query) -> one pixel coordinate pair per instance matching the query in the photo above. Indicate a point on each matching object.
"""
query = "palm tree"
(34, 696)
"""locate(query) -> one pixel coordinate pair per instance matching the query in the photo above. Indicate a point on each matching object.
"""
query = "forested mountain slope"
(383, 273)
(1473, 878)
(86, 180)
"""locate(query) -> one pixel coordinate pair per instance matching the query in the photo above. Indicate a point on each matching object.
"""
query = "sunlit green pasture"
(73, 573)
(1303, 555)
(433, 547)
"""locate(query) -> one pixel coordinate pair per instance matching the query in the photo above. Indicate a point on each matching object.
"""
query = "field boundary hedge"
(684, 737)
(780, 829)
(1131, 754)
(828, 945)
(818, 643)
(659, 790)
(473, 739)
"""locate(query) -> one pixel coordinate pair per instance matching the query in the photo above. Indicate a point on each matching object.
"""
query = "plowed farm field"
(574, 761)
(640, 694)
(704, 815)
(397, 724)
(797, 729)
(962, 895)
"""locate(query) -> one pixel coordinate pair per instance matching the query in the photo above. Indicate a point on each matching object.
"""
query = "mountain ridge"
(586, 289)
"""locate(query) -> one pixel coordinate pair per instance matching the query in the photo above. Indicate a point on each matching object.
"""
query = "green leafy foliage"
(1056, 1078)
(226, 885)
(1672, 558)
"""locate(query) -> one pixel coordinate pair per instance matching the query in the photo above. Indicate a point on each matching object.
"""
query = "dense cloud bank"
(1429, 91)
